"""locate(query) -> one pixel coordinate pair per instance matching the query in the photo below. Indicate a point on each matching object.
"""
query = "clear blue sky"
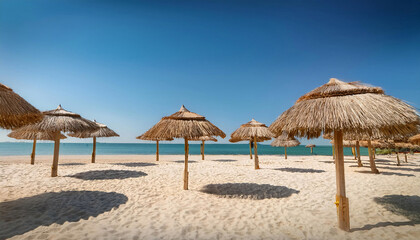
(129, 63)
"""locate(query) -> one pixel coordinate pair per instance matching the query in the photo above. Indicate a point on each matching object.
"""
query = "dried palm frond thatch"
(203, 139)
(285, 141)
(415, 139)
(103, 131)
(19, 134)
(183, 124)
(57, 121)
(15, 111)
(346, 108)
(252, 130)
(352, 108)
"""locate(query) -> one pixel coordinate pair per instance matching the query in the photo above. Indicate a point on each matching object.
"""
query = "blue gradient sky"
(129, 63)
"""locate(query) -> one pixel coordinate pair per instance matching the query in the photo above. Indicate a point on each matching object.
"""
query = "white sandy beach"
(135, 197)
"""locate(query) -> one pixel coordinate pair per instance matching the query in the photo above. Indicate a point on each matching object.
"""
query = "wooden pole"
(374, 153)
(359, 161)
(157, 150)
(405, 156)
(398, 157)
(285, 152)
(353, 151)
(54, 168)
(202, 150)
(257, 165)
(33, 152)
(94, 150)
(371, 160)
(250, 149)
(333, 151)
(312, 150)
(186, 164)
(342, 201)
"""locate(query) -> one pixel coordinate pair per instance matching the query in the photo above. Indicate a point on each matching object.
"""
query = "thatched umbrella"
(183, 124)
(15, 112)
(57, 121)
(253, 130)
(285, 141)
(103, 131)
(339, 108)
(203, 139)
(251, 140)
(142, 137)
(19, 134)
(399, 145)
(311, 146)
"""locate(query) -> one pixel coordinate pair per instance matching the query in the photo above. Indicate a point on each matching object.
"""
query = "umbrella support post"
(371, 159)
(398, 158)
(359, 161)
(94, 150)
(202, 151)
(333, 151)
(250, 149)
(33, 152)
(353, 151)
(312, 150)
(186, 164)
(157, 150)
(285, 152)
(374, 153)
(405, 156)
(342, 202)
(257, 165)
(54, 168)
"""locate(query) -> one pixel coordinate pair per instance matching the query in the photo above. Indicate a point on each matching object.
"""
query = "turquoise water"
(11, 149)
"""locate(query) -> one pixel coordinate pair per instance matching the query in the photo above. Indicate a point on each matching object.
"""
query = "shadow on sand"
(182, 161)
(248, 190)
(407, 206)
(72, 164)
(402, 168)
(135, 164)
(388, 173)
(25, 214)
(224, 160)
(108, 174)
(300, 170)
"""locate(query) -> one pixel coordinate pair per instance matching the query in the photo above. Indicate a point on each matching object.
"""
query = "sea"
(42, 148)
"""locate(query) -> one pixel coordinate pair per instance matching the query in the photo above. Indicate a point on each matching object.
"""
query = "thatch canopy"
(103, 131)
(204, 138)
(415, 139)
(378, 144)
(285, 141)
(183, 124)
(406, 145)
(346, 143)
(252, 129)
(15, 112)
(310, 146)
(142, 137)
(18, 134)
(235, 140)
(355, 109)
(61, 120)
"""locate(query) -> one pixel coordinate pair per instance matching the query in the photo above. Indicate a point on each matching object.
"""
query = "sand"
(135, 197)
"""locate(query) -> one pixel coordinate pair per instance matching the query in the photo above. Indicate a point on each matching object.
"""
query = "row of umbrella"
(52, 126)
(344, 110)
